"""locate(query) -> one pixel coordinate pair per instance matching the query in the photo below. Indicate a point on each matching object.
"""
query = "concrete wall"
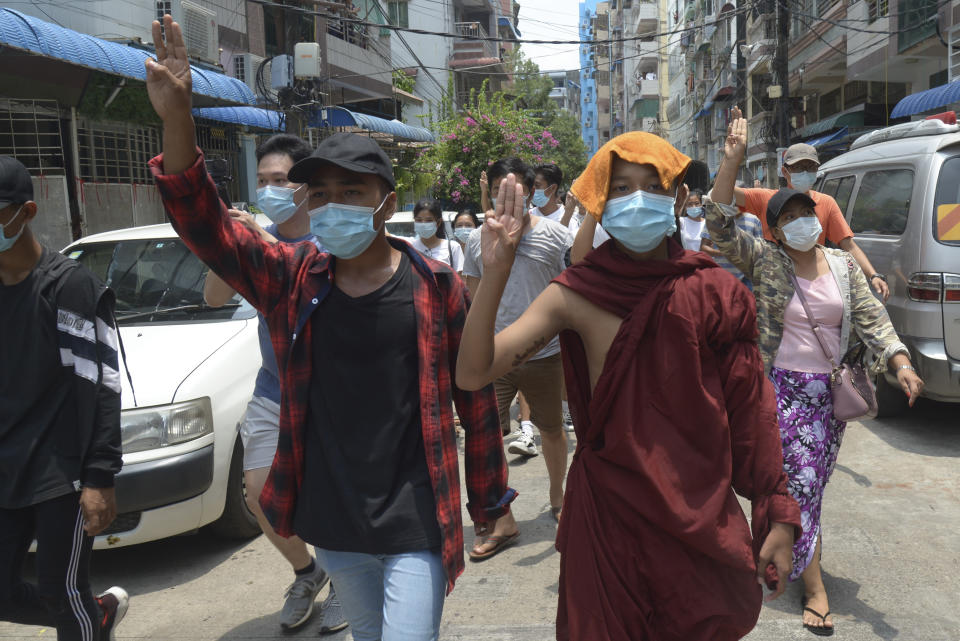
(434, 52)
(110, 19)
(116, 206)
(52, 224)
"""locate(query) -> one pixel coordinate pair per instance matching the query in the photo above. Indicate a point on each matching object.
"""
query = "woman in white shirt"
(692, 223)
(431, 238)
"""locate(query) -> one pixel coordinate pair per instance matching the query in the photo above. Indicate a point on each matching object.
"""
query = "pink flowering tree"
(486, 130)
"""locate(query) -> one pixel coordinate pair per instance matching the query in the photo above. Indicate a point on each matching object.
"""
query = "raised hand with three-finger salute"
(502, 232)
(169, 86)
(735, 145)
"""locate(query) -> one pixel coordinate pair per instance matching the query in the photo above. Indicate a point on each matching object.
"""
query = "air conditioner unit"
(199, 26)
(246, 68)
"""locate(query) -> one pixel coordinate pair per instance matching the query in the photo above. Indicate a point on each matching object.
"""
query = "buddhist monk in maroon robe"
(672, 412)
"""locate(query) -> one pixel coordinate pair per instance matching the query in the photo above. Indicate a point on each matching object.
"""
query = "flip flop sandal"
(818, 630)
(499, 543)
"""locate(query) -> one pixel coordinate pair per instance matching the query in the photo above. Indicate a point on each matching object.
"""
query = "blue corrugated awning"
(247, 116)
(503, 21)
(340, 117)
(822, 140)
(20, 31)
(927, 100)
(706, 109)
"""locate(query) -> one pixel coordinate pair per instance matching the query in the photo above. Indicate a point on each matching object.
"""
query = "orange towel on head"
(639, 147)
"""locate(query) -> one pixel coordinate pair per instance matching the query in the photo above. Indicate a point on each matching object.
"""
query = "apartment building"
(589, 113)
(702, 69)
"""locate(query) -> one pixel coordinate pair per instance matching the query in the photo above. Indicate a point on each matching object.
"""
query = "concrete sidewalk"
(891, 517)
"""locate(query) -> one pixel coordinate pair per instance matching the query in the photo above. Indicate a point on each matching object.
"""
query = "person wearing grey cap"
(366, 336)
(800, 284)
(60, 442)
(800, 166)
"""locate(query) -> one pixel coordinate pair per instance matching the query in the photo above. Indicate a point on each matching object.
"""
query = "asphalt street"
(891, 559)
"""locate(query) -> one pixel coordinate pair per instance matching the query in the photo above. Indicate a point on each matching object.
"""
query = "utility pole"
(782, 74)
(740, 97)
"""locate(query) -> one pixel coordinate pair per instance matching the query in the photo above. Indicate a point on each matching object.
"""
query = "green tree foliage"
(523, 122)
(403, 81)
(488, 129)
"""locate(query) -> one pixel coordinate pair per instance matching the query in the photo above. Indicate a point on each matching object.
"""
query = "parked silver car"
(899, 188)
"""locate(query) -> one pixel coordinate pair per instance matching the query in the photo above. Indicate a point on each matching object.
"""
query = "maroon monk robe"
(653, 541)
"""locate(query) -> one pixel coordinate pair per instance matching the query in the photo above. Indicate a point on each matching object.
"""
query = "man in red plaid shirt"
(366, 341)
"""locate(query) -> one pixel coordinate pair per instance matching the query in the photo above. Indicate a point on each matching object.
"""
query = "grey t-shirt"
(541, 257)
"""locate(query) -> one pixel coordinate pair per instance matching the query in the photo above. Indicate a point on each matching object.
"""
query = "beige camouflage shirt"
(769, 267)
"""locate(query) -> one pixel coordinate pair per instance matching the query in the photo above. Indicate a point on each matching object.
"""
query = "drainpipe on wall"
(77, 210)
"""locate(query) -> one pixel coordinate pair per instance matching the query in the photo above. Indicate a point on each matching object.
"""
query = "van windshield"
(155, 280)
(946, 206)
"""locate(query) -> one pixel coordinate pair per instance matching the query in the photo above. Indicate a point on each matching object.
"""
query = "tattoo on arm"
(535, 347)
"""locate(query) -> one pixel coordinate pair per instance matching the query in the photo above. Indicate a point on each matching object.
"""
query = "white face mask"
(803, 180)
(802, 234)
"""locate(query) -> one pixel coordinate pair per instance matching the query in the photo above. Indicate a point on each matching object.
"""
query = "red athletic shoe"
(113, 603)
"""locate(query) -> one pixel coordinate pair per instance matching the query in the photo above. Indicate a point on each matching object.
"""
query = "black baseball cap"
(352, 152)
(781, 198)
(15, 183)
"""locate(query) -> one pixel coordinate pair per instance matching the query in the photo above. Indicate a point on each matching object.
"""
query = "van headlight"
(154, 427)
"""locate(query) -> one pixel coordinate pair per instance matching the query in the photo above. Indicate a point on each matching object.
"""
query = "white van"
(193, 369)
(401, 224)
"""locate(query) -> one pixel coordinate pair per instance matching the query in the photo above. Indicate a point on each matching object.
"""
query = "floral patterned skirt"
(811, 438)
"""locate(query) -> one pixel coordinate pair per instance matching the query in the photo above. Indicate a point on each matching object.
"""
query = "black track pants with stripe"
(62, 596)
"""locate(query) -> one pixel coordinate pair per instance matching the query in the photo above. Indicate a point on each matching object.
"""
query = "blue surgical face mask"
(803, 180)
(7, 243)
(463, 233)
(639, 220)
(802, 233)
(344, 230)
(277, 203)
(425, 230)
(694, 212)
(493, 201)
(540, 198)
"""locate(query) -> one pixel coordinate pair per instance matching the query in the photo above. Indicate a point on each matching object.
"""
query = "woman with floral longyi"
(791, 275)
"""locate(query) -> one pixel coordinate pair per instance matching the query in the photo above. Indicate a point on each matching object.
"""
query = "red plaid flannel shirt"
(287, 282)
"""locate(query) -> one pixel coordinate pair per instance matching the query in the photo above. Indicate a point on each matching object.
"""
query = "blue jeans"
(389, 597)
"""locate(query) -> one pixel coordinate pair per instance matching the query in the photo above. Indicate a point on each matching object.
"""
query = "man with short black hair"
(366, 337)
(59, 425)
(283, 202)
(546, 192)
(541, 257)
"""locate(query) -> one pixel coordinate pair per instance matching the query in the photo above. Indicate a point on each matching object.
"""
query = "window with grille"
(397, 11)
(877, 9)
(220, 142)
(116, 152)
(30, 132)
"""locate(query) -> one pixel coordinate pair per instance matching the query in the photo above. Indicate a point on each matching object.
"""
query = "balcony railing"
(762, 28)
(469, 45)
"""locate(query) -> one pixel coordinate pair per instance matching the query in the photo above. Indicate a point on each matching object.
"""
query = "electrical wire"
(643, 36)
(840, 24)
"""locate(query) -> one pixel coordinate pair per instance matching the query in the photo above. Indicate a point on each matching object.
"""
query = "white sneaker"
(113, 605)
(523, 444)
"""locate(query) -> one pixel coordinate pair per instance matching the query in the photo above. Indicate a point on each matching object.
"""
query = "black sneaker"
(113, 603)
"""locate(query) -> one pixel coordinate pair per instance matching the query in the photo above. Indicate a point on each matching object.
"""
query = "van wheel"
(891, 401)
(237, 521)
